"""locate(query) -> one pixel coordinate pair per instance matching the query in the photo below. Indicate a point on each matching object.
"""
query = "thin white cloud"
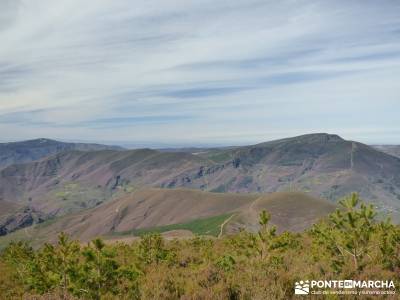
(198, 71)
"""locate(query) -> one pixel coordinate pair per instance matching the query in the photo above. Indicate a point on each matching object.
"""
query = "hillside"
(323, 165)
(77, 179)
(146, 208)
(27, 151)
(291, 211)
(7, 207)
(162, 210)
(389, 149)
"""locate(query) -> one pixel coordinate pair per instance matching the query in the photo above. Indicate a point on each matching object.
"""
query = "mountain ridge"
(31, 150)
(324, 165)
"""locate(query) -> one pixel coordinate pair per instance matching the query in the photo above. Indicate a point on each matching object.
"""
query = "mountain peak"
(42, 141)
(318, 137)
(312, 138)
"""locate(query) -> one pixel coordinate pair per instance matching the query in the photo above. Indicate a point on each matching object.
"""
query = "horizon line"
(182, 144)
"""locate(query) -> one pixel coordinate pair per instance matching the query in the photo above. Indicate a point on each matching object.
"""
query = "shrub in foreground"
(350, 244)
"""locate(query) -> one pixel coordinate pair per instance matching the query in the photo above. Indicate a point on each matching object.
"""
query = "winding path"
(27, 232)
(223, 224)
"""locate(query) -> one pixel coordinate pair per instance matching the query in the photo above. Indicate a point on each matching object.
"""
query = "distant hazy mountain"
(323, 165)
(389, 149)
(27, 151)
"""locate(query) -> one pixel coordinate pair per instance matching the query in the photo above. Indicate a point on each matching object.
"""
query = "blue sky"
(167, 73)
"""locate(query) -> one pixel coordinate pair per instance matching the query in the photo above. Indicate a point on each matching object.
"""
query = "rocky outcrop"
(23, 218)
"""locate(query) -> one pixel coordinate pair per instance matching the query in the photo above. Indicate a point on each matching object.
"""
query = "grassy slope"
(205, 226)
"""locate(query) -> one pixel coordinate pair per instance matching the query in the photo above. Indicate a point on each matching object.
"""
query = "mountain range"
(27, 151)
(64, 179)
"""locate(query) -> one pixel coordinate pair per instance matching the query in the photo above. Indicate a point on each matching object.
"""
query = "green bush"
(351, 243)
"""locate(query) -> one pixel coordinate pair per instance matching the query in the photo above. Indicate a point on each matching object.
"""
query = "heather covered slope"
(151, 209)
(27, 151)
(146, 208)
(290, 211)
(324, 165)
(73, 180)
(7, 207)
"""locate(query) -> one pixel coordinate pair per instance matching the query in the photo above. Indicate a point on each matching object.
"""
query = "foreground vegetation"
(350, 244)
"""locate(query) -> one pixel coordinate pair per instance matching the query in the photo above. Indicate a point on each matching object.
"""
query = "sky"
(196, 73)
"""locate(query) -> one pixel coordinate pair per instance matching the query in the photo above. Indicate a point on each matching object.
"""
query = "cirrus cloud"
(199, 72)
